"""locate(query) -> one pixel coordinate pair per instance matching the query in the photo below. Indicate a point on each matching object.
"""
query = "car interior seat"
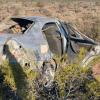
(53, 38)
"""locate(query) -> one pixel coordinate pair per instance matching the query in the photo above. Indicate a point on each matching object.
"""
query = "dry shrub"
(58, 16)
(61, 10)
(4, 16)
(23, 13)
(8, 9)
(97, 3)
(13, 7)
(95, 30)
(46, 12)
(88, 16)
(0, 8)
(85, 6)
(1, 2)
(0, 18)
(77, 10)
(69, 5)
(97, 20)
(40, 4)
(61, 5)
(16, 11)
(27, 4)
(80, 4)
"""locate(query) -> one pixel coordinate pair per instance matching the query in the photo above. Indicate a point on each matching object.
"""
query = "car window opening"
(16, 26)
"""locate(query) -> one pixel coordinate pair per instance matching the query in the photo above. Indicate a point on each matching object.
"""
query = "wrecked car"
(44, 37)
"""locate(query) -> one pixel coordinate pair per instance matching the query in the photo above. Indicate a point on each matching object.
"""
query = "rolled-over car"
(44, 37)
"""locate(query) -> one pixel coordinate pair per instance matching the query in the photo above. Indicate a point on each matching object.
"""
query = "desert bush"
(85, 6)
(90, 29)
(40, 4)
(46, 12)
(97, 3)
(28, 4)
(25, 4)
(0, 8)
(13, 7)
(77, 10)
(17, 81)
(69, 5)
(61, 5)
(8, 9)
(16, 11)
(77, 23)
(0, 18)
(1, 2)
(58, 16)
(88, 16)
(86, 28)
(76, 82)
(95, 30)
(97, 20)
(4, 16)
(71, 81)
(61, 10)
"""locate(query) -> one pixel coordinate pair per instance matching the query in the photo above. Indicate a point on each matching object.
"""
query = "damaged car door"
(76, 40)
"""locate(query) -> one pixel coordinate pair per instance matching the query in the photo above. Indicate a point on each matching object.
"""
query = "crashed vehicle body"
(43, 36)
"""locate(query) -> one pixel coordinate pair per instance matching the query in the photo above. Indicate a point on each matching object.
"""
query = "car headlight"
(44, 48)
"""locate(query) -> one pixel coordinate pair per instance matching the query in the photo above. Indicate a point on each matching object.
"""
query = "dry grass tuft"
(46, 12)
(61, 5)
(40, 4)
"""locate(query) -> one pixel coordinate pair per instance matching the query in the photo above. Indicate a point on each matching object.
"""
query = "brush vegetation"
(72, 81)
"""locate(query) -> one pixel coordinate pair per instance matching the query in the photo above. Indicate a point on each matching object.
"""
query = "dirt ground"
(64, 11)
(96, 70)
